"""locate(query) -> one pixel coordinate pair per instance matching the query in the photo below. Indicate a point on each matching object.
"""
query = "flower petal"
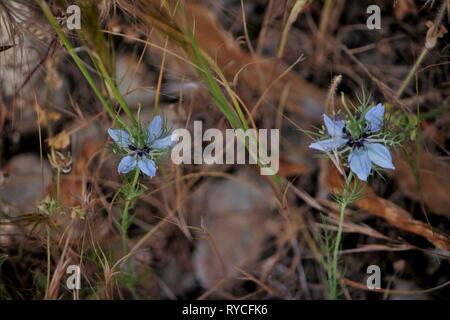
(121, 137)
(127, 164)
(380, 155)
(360, 163)
(163, 143)
(334, 128)
(147, 166)
(155, 129)
(374, 118)
(328, 144)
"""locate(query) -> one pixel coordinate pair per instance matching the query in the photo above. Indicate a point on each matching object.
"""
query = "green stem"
(335, 258)
(48, 262)
(124, 224)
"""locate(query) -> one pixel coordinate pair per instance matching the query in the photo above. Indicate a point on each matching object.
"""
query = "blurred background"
(220, 231)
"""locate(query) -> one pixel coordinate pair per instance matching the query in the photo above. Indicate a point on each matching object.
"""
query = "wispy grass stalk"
(105, 101)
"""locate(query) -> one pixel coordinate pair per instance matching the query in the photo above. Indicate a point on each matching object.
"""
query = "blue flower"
(141, 158)
(365, 151)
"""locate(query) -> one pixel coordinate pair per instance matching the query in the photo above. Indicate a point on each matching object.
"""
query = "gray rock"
(235, 216)
(25, 185)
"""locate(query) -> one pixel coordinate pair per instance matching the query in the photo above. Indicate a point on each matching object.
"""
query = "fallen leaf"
(237, 64)
(290, 168)
(392, 213)
(433, 172)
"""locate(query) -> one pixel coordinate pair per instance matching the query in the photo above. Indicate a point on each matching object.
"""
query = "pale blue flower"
(365, 151)
(141, 158)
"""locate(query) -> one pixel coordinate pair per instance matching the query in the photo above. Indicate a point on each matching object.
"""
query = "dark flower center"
(356, 143)
(139, 151)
